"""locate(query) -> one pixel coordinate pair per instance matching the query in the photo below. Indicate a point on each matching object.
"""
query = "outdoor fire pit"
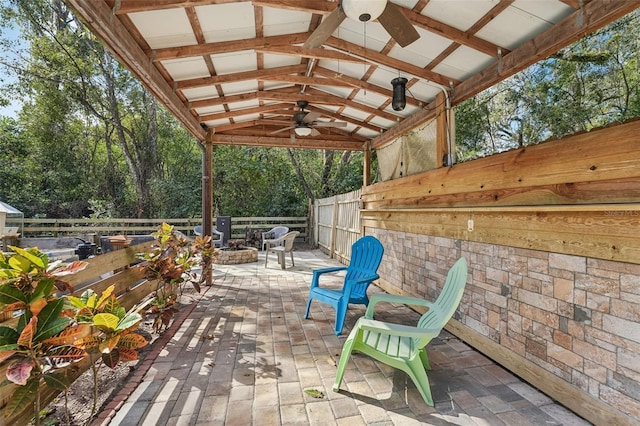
(237, 253)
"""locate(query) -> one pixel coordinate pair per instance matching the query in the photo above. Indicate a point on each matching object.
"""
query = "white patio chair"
(272, 235)
(280, 247)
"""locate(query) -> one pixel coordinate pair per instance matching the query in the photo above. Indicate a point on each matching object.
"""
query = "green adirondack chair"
(402, 346)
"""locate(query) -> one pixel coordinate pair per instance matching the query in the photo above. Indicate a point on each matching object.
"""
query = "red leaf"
(15, 306)
(26, 337)
(69, 335)
(19, 371)
(112, 358)
(132, 341)
(127, 354)
(69, 269)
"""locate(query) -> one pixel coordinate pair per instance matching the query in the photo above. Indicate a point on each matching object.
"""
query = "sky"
(12, 34)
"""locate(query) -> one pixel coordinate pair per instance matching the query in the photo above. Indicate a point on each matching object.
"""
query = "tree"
(324, 173)
(590, 84)
(68, 66)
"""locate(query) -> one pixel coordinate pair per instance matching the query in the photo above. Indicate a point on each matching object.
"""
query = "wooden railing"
(129, 226)
(130, 287)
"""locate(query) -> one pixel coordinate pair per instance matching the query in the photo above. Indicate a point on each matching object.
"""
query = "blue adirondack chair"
(366, 254)
(402, 346)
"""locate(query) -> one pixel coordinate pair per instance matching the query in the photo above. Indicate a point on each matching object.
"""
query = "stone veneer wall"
(577, 317)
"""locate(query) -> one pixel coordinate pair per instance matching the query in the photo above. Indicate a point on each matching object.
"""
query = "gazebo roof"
(238, 69)
(10, 210)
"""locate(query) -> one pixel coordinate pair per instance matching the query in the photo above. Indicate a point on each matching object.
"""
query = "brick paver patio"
(244, 355)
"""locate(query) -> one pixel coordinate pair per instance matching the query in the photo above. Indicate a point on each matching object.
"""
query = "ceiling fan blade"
(310, 117)
(397, 25)
(328, 25)
(314, 132)
(330, 124)
(282, 130)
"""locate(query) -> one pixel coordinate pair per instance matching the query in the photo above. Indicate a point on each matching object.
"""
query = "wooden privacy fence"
(336, 224)
(130, 226)
(130, 287)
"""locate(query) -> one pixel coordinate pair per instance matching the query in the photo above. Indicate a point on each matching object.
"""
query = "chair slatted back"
(447, 302)
(366, 255)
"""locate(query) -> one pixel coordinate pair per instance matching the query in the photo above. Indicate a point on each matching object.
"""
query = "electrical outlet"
(470, 225)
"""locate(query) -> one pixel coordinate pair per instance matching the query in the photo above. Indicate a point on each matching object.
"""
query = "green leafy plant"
(40, 344)
(113, 335)
(170, 263)
(50, 333)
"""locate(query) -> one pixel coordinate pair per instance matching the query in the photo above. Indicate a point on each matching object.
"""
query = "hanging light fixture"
(399, 99)
(363, 10)
(302, 130)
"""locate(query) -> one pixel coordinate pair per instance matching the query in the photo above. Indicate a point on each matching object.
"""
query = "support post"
(366, 164)
(442, 147)
(207, 195)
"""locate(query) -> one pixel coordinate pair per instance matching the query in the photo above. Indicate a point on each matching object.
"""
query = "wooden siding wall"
(552, 234)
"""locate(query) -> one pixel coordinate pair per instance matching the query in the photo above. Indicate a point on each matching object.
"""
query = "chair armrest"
(348, 285)
(396, 329)
(367, 279)
(328, 270)
(315, 280)
(394, 298)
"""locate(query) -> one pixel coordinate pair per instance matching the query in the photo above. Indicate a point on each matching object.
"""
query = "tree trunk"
(305, 184)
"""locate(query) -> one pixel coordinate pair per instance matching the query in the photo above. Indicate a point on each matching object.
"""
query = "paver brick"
(263, 354)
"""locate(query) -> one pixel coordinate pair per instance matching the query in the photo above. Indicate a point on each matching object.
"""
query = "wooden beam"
(313, 6)
(240, 112)
(318, 53)
(239, 76)
(392, 63)
(593, 16)
(315, 96)
(310, 81)
(340, 117)
(360, 84)
(241, 97)
(280, 142)
(98, 17)
(226, 46)
(452, 33)
(131, 6)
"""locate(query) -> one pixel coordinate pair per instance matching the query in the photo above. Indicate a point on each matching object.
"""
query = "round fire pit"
(236, 256)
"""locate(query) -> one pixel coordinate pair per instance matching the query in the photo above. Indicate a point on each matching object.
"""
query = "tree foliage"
(93, 142)
(593, 83)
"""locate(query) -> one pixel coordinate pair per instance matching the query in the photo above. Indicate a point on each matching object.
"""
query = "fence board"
(338, 224)
(30, 227)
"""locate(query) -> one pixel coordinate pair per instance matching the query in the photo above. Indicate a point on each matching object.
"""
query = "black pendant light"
(399, 93)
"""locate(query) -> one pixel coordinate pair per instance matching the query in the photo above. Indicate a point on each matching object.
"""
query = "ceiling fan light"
(363, 10)
(399, 99)
(302, 130)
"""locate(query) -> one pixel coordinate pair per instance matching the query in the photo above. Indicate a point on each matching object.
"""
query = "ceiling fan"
(387, 13)
(305, 122)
